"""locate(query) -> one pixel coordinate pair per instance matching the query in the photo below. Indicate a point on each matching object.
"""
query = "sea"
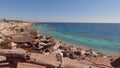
(101, 37)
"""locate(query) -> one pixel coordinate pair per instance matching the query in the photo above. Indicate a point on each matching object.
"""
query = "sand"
(51, 57)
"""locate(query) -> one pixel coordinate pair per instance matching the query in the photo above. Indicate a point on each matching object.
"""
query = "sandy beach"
(68, 62)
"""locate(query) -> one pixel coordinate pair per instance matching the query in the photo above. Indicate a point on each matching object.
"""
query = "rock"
(48, 37)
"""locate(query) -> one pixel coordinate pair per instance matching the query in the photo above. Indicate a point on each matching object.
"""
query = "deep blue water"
(102, 37)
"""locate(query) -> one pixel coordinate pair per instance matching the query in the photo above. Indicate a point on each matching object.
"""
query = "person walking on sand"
(59, 56)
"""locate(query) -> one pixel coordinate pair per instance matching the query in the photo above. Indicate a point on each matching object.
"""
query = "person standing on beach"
(59, 56)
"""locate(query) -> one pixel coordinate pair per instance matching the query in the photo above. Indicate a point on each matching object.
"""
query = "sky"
(61, 10)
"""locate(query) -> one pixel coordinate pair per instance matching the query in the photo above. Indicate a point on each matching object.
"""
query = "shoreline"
(86, 48)
(103, 51)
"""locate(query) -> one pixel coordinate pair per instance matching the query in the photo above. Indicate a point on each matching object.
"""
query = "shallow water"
(103, 38)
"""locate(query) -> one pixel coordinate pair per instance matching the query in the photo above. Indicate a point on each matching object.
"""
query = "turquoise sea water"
(103, 38)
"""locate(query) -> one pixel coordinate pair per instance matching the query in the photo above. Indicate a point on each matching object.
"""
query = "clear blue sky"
(61, 10)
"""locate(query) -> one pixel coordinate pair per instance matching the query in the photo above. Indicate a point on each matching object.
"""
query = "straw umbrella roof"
(22, 39)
